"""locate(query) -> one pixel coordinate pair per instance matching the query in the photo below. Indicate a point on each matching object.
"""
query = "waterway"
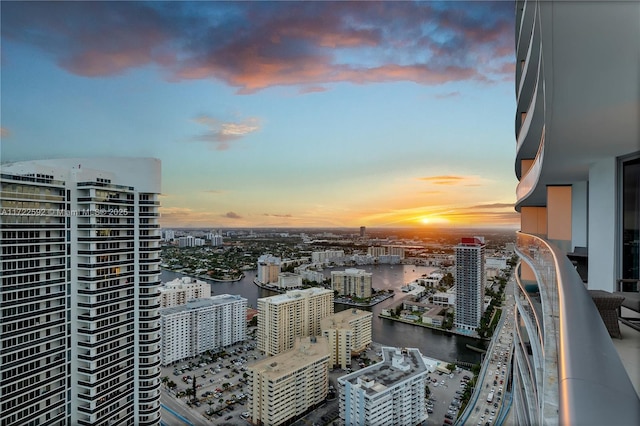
(432, 343)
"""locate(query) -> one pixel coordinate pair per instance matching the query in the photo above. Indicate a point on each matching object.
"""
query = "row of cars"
(456, 402)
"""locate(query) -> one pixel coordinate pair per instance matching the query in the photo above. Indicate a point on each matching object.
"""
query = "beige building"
(286, 386)
(352, 282)
(268, 269)
(179, 291)
(348, 333)
(297, 313)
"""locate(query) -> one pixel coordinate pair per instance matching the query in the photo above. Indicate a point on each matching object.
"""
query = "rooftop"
(307, 351)
(296, 294)
(342, 319)
(221, 299)
(397, 366)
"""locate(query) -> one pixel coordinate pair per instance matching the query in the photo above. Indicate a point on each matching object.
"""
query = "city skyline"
(276, 114)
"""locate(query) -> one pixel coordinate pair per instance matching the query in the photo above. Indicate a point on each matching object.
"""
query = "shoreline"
(432, 327)
(354, 304)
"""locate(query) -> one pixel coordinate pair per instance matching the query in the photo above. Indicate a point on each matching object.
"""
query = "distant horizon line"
(417, 227)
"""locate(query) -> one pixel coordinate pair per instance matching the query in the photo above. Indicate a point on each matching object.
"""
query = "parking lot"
(444, 401)
(221, 386)
(222, 392)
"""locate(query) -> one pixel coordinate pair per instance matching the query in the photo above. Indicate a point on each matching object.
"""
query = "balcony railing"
(583, 371)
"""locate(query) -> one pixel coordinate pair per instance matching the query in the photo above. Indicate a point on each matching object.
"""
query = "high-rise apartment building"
(181, 290)
(577, 161)
(80, 274)
(470, 280)
(326, 256)
(288, 385)
(348, 333)
(268, 269)
(386, 393)
(352, 282)
(200, 325)
(284, 317)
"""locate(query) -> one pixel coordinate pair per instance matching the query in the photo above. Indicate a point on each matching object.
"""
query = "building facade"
(268, 269)
(389, 392)
(327, 256)
(578, 166)
(470, 280)
(80, 272)
(200, 325)
(288, 385)
(284, 317)
(181, 290)
(289, 280)
(348, 333)
(352, 282)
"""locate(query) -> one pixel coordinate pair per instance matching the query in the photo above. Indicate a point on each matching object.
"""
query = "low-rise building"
(434, 316)
(444, 299)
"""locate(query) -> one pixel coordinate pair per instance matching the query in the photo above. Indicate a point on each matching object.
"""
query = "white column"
(602, 225)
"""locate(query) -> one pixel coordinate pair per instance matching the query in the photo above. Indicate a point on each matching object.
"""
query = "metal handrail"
(593, 385)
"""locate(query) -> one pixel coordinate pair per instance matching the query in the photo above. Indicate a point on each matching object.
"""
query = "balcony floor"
(629, 349)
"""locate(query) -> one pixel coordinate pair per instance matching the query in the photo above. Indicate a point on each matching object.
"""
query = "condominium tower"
(297, 313)
(470, 278)
(268, 269)
(352, 282)
(80, 325)
(286, 386)
(391, 392)
(348, 333)
(577, 161)
(200, 325)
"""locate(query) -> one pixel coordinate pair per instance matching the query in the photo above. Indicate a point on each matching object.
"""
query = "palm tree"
(165, 381)
(188, 392)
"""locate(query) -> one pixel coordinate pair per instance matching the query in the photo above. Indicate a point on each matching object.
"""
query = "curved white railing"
(586, 383)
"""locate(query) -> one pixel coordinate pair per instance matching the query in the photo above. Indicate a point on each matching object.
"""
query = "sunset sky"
(314, 114)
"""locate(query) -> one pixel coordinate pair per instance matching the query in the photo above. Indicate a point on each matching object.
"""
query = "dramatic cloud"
(220, 133)
(232, 215)
(255, 45)
(276, 215)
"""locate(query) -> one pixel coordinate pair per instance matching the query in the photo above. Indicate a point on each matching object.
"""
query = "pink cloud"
(253, 46)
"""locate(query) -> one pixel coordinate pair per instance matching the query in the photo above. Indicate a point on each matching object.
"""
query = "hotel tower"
(80, 338)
